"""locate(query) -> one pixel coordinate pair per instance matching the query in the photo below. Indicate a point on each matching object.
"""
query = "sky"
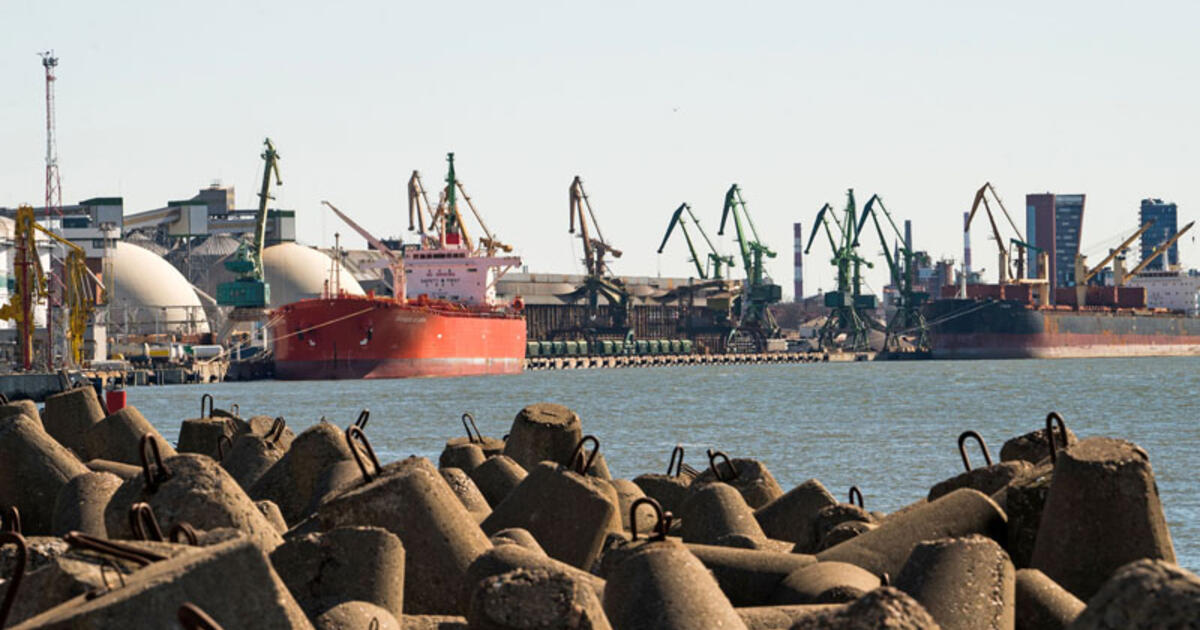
(651, 103)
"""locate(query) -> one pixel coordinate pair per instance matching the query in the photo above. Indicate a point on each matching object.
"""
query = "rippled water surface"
(889, 428)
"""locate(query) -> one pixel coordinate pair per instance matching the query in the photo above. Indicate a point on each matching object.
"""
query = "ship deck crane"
(30, 287)
(1005, 273)
(908, 317)
(1119, 275)
(758, 292)
(599, 280)
(445, 219)
(249, 294)
(714, 261)
(1083, 275)
(395, 261)
(847, 300)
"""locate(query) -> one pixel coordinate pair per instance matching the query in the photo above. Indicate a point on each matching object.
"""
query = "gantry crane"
(599, 280)
(908, 318)
(249, 292)
(30, 288)
(758, 291)
(713, 260)
(1120, 277)
(846, 302)
(1004, 271)
(1083, 275)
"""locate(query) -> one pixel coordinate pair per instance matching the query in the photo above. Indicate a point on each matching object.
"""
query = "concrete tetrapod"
(356, 616)
(669, 490)
(517, 536)
(792, 517)
(318, 462)
(716, 514)
(884, 607)
(346, 564)
(35, 469)
(233, 582)
(1102, 512)
(750, 477)
(825, 583)
(1144, 595)
(568, 513)
(496, 477)
(465, 456)
(965, 583)
(535, 598)
(749, 577)
(118, 437)
(886, 548)
(80, 504)
(467, 492)
(508, 557)
(69, 415)
(1043, 604)
(543, 432)
(441, 539)
(660, 585)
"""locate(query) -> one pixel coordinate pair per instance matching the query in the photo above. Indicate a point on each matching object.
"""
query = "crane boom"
(249, 293)
(395, 261)
(1089, 274)
(1158, 251)
(716, 259)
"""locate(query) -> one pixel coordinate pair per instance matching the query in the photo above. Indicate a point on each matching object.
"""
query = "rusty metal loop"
(712, 465)
(374, 625)
(183, 530)
(577, 461)
(354, 433)
(12, 520)
(107, 564)
(1051, 418)
(150, 445)
(206, 398)
(221, 440)
(885, 579)
(18, 572)
(473, 434)
(236, 410)
(276, 430)
(856, 491)
(143, 522)
(3, 399)
(363, 417)
(675, 464)
(661, 522)
(112, 548)
(962, 448)
(191, 617)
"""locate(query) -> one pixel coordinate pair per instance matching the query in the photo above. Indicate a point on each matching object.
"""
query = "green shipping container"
(547, 348)
(606, 348)
(583, 347)
(572, 348)
(618, 347)
(654, 346)
(532, 349)
(643, 346)
(686, 346)
(560, 348)
(676, 347)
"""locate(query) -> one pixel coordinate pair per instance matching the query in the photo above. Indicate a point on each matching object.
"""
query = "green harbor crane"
(908, 319)
(599, 280)
(755, 320)
(847, 301)
(713, 260)
(248, 293)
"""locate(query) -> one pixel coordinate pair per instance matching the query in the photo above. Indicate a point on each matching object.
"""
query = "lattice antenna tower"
(53, 206)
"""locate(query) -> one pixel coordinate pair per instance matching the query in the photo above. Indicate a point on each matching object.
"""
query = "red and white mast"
(53, 205)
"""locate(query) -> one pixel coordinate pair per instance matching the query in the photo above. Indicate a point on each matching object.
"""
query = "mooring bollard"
(568, 512)
(190, 488)
(69, 415)
(1042, 603)
(1102, 512)
(824, 583)
(1144, 595)
(35, 469)
(716, 514)
(659, 584)
(543, 432)
(966, 583)
(118, 437)
(749, 577)
(344, 564)
(497, 477)
(440, 538)
(80, 504)
(885, 548)
(525, 598)
(354, 615)
(750, 477)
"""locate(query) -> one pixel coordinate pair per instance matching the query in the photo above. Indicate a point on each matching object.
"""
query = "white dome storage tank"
(295, 272)
(150, 296)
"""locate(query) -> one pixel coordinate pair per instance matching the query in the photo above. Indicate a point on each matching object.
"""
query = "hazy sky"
(651, 103)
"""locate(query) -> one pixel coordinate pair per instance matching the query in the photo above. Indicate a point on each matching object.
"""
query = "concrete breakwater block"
(441, 539)
(80, 504)
(509, 557)
(118, 437)
(465, 456)
(716, 514)
(1042, 603)
(356, 616)
(1102, 512)
(1144, 595)
(966, 583)
(660, 585)
(18, 407)
(317, 463)
(364, 564)
(792, 516)
(35, 469)
(496, 477)
(825, 583)
(749, 477)
(568, 513)
(535, 598)
(749, 577)
(467, 492)
(516, 536)
(884, 607)
(232, 582)
(669, 490)
(543, 432)
(250, 457)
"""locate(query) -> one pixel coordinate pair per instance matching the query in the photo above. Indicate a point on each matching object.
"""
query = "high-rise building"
(798, 279)
(1166, 223)
(1053, 223)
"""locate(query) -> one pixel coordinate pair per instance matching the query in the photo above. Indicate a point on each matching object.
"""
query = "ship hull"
(371, 338)
(1005, 329)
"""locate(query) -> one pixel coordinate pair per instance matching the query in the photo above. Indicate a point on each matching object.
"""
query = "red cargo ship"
(443, 320)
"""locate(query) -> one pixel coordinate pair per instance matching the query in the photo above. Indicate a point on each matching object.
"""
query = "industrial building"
(1166, 222)
(1053, 224)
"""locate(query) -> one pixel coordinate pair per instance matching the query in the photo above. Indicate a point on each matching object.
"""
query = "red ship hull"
(356, 337)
